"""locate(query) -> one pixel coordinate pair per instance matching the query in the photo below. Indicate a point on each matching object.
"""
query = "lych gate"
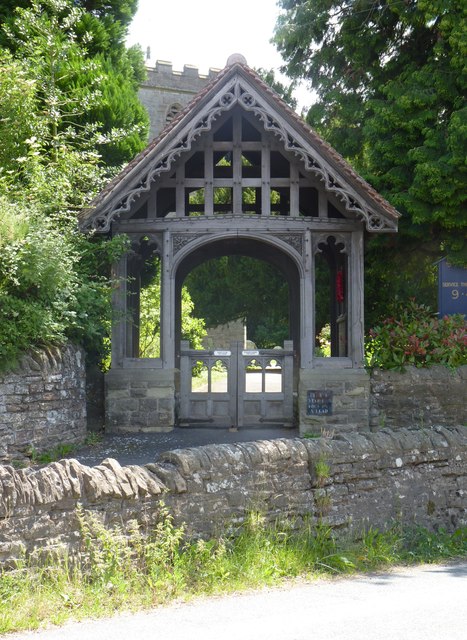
(241, 388)
(238, 173)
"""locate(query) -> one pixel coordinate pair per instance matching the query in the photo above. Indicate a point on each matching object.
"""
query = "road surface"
(421, 603)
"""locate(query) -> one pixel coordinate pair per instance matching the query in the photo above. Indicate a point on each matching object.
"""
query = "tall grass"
(135, 569)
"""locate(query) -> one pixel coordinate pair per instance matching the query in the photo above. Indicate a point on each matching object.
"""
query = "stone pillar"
(344, 405)
(140, 400)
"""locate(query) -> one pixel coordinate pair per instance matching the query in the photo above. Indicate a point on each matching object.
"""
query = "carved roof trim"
(239, 85)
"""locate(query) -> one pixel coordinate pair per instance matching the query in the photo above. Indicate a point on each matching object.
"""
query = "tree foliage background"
(391, 81)
(78, 45)
(239, 287)
(58, 62)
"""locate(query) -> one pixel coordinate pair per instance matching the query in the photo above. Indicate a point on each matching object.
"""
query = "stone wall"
(140, 400)
(347, 406)
(418, 398)
(43, 402)
(374, 479)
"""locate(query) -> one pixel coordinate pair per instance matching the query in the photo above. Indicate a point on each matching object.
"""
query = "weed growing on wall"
(45, 457)
(322, 471)
(128, 569)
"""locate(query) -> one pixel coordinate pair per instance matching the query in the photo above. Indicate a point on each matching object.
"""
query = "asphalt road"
(421, 603)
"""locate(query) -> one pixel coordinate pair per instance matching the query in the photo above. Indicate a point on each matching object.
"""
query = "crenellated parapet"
(165, 91)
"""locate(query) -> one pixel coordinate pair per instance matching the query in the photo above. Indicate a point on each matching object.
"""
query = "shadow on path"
(141, 448)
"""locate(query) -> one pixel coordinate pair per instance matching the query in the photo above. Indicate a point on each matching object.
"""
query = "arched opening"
(240, 382)
(331, 299)
(242, 297)
(255, 266)
(172, 112)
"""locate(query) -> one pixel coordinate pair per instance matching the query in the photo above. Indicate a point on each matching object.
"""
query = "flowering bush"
(415, 336)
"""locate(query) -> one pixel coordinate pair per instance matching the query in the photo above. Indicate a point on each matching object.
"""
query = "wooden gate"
(236, 387)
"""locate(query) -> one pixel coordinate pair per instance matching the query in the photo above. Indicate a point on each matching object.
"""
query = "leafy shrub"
(414, 336)
(93, 311)
(324, 342)
(52, 284)
(37, 283)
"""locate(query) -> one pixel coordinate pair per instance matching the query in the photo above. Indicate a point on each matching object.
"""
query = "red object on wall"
(340, 286)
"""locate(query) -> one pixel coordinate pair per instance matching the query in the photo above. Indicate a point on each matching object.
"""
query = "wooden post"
(208, 178)
(119, 293)
(355, 302)
(307, 306)
(167, 305)
(294, 190)
(237, 199)
(265, 177)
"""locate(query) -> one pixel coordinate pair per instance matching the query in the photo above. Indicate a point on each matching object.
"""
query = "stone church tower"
(166, 92)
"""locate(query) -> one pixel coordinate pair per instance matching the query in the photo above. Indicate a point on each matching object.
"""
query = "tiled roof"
(315, 140)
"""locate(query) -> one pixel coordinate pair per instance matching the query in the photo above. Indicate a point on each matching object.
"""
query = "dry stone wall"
(375, 478)
(43, 402)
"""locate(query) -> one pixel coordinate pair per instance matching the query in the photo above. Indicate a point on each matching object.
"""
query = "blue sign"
(452, 289)
(319, 402)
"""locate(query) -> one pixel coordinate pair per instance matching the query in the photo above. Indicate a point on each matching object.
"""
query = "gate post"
(185, 376)
(307, 307)
(234, 383)
(355, 279)
(167, 305)
(288, 378)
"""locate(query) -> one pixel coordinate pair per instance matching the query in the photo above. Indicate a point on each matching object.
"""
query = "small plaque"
(319, 402)
(250, 352)
(222, 353)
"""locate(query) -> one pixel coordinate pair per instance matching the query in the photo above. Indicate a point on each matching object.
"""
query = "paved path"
(422, 603)
(141, 448)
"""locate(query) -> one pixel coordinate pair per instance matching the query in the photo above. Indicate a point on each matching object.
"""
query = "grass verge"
(133, 571)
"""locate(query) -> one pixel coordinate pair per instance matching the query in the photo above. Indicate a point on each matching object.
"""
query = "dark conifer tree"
(391, 83)
(101, 32)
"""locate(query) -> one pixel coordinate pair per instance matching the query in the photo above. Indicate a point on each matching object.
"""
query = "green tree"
(17, 100)
(53, 283)
(239, 287)
(285, 92)
(53, 280)
(391, 83)
(37, 282)
(59, 167)
(81, 49)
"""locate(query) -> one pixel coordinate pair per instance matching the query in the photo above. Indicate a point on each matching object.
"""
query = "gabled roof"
(237, 84)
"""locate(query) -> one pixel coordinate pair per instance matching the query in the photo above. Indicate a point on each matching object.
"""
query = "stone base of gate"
(333, 400)
(140, 400)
